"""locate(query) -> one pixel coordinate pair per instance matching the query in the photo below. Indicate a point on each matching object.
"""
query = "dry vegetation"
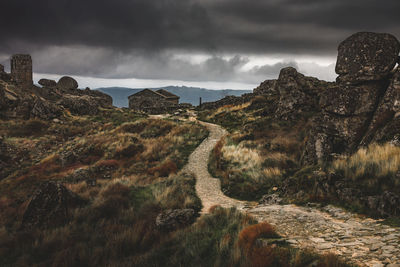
(374, 169)
(134, 161)
(262, 155)
(260, 151)
(227, 237)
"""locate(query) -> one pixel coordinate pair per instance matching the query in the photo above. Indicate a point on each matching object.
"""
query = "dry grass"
(373, 169)
(382, 160)
(246, 157)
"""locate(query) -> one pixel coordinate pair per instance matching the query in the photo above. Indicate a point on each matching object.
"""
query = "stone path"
(364, 242)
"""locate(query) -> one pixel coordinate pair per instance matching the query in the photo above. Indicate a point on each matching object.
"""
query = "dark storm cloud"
(96, 37)
(224, 25)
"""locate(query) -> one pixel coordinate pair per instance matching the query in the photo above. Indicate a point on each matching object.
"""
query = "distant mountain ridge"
(187, 94)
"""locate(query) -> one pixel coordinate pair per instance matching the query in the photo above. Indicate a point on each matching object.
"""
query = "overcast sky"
(210, 43)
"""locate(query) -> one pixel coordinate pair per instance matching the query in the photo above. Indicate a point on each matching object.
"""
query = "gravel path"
(362, 241)
(207, 187)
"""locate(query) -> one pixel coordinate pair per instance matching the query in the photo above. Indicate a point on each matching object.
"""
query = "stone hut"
(21, 69)
(148, 100)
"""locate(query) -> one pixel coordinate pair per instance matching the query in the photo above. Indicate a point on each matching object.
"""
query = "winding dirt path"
(362, 241)
(208, 188)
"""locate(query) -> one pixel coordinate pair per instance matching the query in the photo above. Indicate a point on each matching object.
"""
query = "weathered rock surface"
(66, 83)
(174, 219)
(366, 56)
(267, 87)
(50, 206)
(82, 105)
(298, 93)
(388, 110)
(47, 83)
(362, 104)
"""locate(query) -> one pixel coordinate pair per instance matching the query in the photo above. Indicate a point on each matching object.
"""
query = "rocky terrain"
(315, 140)
(84, 183)
(50, 101)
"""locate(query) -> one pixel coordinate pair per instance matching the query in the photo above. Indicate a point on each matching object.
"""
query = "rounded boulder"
(67, 82)
(366, 56)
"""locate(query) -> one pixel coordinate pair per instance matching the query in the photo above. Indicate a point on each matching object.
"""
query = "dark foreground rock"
(50, 206)
(173, 219)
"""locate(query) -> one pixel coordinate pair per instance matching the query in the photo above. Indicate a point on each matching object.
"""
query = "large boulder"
(47, 83)
(298, 93)
(67, 83)
(173, 219)
(50, 206)
(366, 56)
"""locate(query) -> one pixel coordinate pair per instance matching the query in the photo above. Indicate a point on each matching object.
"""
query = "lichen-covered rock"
(298, 93)
(173, 219)
(67, 83)
(366, 56)
(350, 100)
(50, 206)
(267, 87)
(47, 83)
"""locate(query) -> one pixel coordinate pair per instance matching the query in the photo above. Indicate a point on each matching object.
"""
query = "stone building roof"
(166, 93)
(159, 93)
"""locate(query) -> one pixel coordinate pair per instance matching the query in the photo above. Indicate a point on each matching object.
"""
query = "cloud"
(237, 26)
(140, 38)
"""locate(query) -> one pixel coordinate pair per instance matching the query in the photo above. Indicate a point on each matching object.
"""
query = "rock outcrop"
(18, 100)
(364, 100)
(267, 87)
(298, 93)
(50, 206)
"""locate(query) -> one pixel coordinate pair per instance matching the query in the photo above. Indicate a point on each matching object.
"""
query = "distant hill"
(188, 94)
